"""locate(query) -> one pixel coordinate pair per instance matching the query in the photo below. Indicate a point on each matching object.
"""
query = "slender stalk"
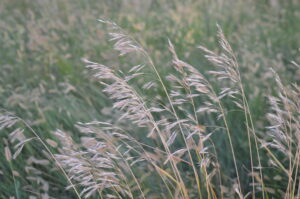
(14, 179)
(177, 118)
(52, 155)
(247, 113)
(228, 132)
(256, 147)
(296, 164)
(131, 172)
(230, 143)
(198, 155)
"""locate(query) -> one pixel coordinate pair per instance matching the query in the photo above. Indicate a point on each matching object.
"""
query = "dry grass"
(188, 122)
(177, 155)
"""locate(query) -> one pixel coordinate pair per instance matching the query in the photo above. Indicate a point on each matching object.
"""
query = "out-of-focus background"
(43, 79)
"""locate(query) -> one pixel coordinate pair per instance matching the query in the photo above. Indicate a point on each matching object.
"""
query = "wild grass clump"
(167, 144)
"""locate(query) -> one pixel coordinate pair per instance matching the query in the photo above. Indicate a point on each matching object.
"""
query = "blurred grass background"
(43, 80)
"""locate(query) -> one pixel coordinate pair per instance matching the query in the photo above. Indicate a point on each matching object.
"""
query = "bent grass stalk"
(180, 127)
(52, 156)
(126, 50)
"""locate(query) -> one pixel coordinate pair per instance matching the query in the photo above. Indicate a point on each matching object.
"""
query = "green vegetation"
(169, 128)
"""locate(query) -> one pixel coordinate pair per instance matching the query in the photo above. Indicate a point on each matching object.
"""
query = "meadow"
(149, 99)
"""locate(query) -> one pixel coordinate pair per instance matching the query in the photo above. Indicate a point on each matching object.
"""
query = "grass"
(177, 138)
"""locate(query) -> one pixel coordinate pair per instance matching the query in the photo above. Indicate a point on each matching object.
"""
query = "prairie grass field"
(150, 99)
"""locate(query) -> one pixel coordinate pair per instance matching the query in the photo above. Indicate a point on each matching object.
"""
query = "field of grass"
(197, 99)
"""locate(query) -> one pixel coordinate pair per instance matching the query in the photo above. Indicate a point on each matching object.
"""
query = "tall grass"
(163, 147)
(183, 123)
